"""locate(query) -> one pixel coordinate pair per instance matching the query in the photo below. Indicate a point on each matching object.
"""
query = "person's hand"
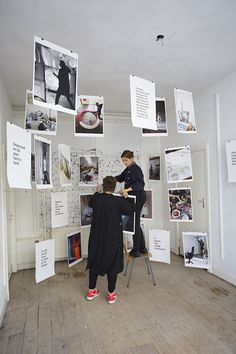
(124, 193)
(99, 188)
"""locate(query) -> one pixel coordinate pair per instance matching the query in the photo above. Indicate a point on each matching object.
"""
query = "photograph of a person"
(195, 246)
(154, 168)
(185, 116)
(146, 212)
(42, 148)
(32, 167)
(40, 120)
(74, 252)
(89, 120)
(54, 77)
(180, 204)
(86, 212)
(89, 170)
(161, 120)
(178, 164)
(65, 165)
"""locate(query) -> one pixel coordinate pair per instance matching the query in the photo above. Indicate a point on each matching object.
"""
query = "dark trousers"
(67, 94)
(111, 279)
(138, 237)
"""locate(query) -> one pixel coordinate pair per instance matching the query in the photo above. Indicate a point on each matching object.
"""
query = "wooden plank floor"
(189, 311)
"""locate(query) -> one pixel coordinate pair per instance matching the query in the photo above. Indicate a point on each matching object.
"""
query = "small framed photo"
(74, 252)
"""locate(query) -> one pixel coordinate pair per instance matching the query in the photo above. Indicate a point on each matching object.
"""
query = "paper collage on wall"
(54, 76)
(74, 250)
(89, 120)
(159, 245)
(146, 212)
(59, 209)
(178, 164)
(180, 204)
(42, 148)
(44, 260)
(41, 120)
(185, 117)
(142, 96)
(161, 120)
(86, 212)
(65, 168)
(231, 160)
(89, 171)
(195, 245)
(154, 168)
(18, 157)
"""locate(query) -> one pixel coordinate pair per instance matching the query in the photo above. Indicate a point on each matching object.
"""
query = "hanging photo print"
(59, 209)
(195, 245)
(64, 165)
(54, 76)
(154, 168)
(74, 251)
(142, 95)
(128, 221)
(231, 160)
(42, 148)
(178, 164)
(44, 260)
(184, 111)
(161, 120)
(159, 245)
(180, 204)
(89, 120)
(39, 119)
(146, 211)
(18, 157)
(89, 170)
(86, 212)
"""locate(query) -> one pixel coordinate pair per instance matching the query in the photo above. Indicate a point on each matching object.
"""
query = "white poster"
(55, 75)
(161, 120)
(43, 162)
(59, 209)
(159, 245)
(178, 164)
(65, 167)
(143, 103)
(185, 116)
(44, 260)
(18, 157)
(180, 204)
(195, 246)
(231, 160)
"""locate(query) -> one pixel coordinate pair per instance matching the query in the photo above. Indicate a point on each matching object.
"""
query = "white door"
(198, 191)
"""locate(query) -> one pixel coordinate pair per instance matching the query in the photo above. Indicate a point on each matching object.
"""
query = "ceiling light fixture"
(160, 39)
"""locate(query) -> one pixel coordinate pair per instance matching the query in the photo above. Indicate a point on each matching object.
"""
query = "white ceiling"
(116, 38)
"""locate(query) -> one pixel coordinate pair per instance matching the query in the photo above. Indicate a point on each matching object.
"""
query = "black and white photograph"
(54, 76)
(178, 164)
(40, 120)
(65, 167)
(146, 212)
(89, 120)
(89, 174)
(161, 120)
(185, 116)
(195, 246)
(154, 168)
(86, 212)
(180, 204)
(74, 250)
(42, 148)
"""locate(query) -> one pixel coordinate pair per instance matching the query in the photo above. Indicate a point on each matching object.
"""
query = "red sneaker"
(91, 294)
(111, 298)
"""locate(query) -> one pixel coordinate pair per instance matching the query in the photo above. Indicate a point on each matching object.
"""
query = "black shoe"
(143, 250)
(134, 253)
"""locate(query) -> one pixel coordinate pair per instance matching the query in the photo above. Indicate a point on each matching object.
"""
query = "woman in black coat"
(105, 250)
(134, 185)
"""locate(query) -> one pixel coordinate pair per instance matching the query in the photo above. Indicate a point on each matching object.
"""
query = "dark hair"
(109, 184)
(128, 154)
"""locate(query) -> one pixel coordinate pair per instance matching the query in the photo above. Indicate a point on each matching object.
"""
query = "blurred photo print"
(180, 205)
(89, 120)
(89, 170)
(54, 76)
(42, 148)
(86, 212)
(128, 221)
(161, 120)
(195, 245)
(154, 168)
(74, 251)
(64, 165)
(185, 116)
(41, 120)
(178, 164)
(146, 212)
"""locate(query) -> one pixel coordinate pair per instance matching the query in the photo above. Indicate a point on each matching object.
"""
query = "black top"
(133, 177)
(105, 250)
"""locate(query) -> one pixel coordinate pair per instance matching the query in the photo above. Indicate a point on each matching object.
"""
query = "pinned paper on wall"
(159, 245)
(86, 212)
(185, 116)
(231, 160)
(65, 165)
(59, 209)
(18, 157)
(89, 170)
(161, 120)
(195, 246)
(74, 250)
(178, 164)
(180, 204)
(44, 260)
(154, 168)
(143, 103)
(146, 211)
(42, 148)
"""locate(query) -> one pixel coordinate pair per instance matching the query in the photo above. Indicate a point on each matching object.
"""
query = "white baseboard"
(3, 311)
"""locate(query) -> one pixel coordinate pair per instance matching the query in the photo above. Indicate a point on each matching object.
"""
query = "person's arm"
(92, 199)
(120, 178)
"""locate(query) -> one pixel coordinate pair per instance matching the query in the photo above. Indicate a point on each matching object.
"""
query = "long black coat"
(105, 250)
